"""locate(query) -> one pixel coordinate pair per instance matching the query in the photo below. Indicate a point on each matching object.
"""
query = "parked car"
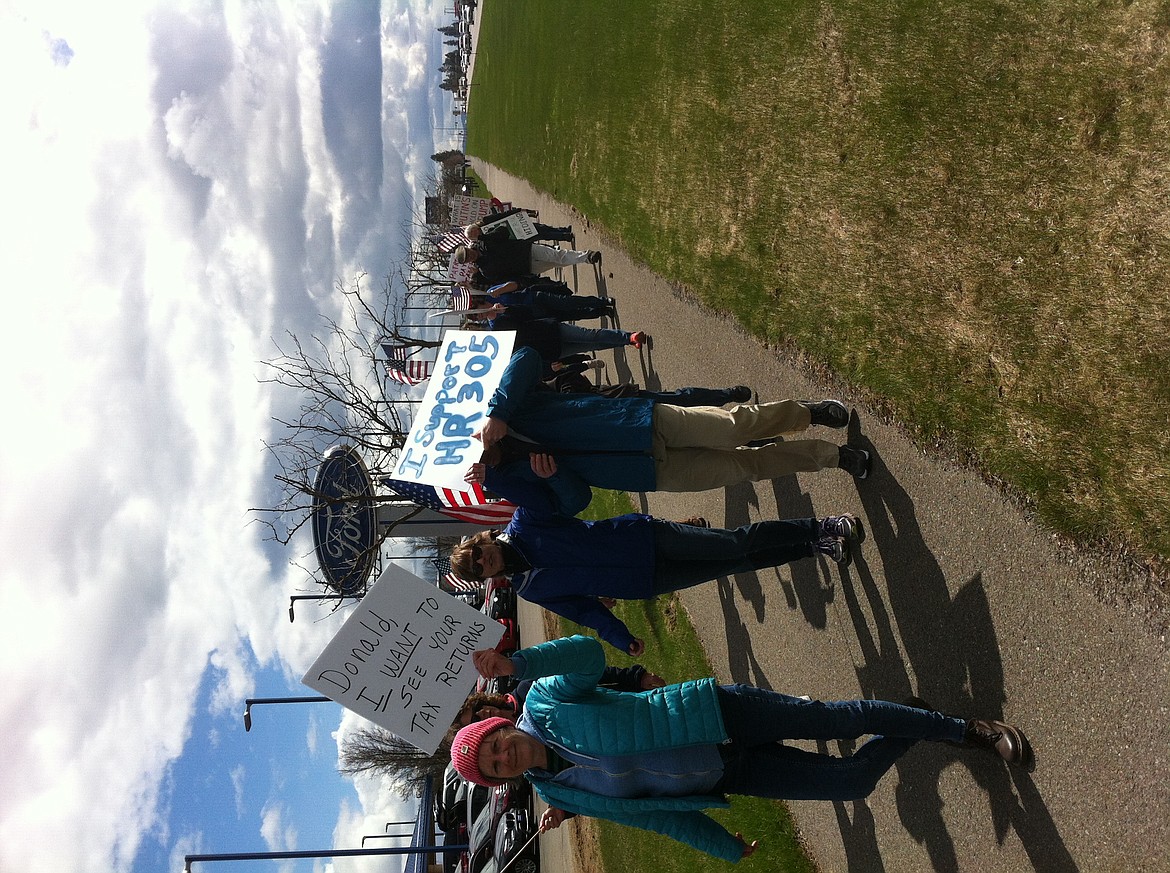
(503, 825)
(451, 801)
(502, 603)
(500, 597)
(482, 815)
(474, 599)
(513, 832)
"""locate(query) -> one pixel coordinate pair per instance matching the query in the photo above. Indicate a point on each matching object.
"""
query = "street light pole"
(188, 860)
(293, 598)
(255, 701)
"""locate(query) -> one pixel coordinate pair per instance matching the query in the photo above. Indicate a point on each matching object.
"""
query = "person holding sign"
(635, 444)
(565, 564)
(657, 760)
(551, 298)
(543, 231)
(499, 260)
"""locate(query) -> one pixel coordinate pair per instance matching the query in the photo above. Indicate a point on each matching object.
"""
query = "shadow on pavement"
(950, 645)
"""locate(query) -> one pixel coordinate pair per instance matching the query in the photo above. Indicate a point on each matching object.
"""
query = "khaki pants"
(702, 447)
(544, 258)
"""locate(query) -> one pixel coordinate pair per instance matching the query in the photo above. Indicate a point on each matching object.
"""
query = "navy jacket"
(574, 562)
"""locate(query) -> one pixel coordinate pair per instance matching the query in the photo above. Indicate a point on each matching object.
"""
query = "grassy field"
(959, 208)
(673, 651)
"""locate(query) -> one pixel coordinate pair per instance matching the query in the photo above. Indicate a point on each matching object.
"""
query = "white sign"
(465, 210)
(518, 225)
(440, 446)
(403, 659)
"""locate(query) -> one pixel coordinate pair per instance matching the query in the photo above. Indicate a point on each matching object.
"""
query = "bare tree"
(374, 750)
(341, 400)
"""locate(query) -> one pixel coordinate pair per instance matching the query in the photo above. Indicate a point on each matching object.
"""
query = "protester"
(635, 444)
(500, 260)
(657, 760)
(565, 564)
(543, 231)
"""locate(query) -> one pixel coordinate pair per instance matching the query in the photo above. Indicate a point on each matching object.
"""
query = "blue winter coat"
(569, 711)
(603, 442)
(574, 562)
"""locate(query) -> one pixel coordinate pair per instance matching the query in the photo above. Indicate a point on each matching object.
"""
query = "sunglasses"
(476, 558)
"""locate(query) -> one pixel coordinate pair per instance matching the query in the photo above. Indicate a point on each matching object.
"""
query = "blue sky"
(183, 182)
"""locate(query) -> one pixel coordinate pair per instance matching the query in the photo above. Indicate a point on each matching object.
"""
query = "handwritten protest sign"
(467, 372)
(403, 659)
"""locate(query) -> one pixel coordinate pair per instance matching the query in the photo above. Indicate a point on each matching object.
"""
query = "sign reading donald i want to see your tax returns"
(441, 444)
(403, 659)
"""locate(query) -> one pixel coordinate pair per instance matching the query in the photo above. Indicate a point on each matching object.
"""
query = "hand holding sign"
(492, 664)
(492, 432)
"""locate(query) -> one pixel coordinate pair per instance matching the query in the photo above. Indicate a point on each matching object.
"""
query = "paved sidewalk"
(955, 596)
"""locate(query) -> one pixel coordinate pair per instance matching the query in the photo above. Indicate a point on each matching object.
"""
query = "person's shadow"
(950, 645)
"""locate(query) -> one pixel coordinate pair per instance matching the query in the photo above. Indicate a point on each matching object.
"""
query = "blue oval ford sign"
(344, 520)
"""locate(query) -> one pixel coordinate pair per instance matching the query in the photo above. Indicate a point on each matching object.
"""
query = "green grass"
(673, 651)
(957, 208)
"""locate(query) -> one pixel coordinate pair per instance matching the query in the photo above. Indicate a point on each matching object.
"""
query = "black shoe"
(1000, 738)
(827, 413)
(740, 394)
(847, 527)
(610, 305)
(595, 257)
(855, 462)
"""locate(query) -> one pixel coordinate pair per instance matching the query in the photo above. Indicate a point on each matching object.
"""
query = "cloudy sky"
(182, 182)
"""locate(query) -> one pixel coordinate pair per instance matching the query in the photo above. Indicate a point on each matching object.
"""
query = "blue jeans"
(685, 555)
(756, 765)
(584, 339)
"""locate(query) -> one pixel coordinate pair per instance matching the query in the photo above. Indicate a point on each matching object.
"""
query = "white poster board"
(403, 659)
(518, 225)
(466, 210)
(440, 446)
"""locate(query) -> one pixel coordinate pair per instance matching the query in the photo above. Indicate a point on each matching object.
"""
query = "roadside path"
(955, 596)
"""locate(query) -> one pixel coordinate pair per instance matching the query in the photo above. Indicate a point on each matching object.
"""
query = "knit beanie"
(465, 749)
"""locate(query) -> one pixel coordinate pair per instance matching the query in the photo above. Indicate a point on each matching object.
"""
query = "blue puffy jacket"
(569, 711)
(599, 441)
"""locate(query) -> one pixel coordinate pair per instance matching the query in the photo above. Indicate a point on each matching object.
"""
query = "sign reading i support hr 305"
(403, 659)
(440, 446)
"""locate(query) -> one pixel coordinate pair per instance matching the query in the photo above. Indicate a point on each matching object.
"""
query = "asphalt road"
(955, 596)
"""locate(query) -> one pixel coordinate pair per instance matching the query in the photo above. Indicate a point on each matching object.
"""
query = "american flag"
(398, 352)
(447, 577)
(472, 506)
(451, 240)
(460, 297)
(408, 372)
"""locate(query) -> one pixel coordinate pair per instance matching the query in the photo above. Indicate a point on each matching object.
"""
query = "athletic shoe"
(834, 549)
(827, 413)
(855, 462)
(847, 527)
